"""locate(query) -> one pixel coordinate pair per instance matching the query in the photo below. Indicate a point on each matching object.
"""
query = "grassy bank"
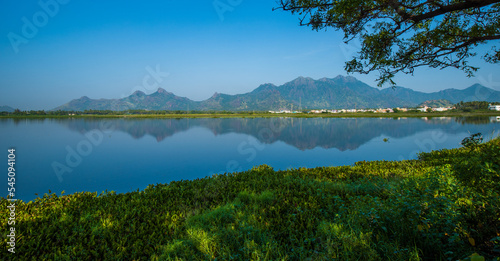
(444, 206)
(267, 115)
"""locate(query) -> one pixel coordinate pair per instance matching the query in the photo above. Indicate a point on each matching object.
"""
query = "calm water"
(129, 154)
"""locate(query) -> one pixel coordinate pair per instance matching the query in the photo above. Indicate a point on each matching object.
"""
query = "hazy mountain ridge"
(302, 93)
(7, 108)
(436, 103)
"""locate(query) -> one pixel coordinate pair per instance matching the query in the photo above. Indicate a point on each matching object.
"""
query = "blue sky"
(107, 49)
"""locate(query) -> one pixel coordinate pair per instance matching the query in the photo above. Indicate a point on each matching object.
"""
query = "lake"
(84, 154)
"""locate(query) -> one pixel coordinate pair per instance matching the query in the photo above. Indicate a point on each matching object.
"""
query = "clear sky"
(65, 49)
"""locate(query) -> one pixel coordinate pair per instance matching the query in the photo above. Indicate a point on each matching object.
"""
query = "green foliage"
(476, 169)
(414, 111)
(473, 106)
(444, 206)
(399, 36)
(473, 141)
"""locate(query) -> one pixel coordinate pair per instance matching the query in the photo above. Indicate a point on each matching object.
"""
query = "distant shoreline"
(269, 115)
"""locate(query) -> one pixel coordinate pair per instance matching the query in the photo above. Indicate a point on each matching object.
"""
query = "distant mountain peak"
(7, 108)
(477, 86)
(341, 92)
(161, 90)
(345, 78)
(302, 80)
(138, 93)
(264, 87)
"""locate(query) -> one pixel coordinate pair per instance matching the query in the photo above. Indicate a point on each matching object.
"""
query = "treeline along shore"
(475, 108)
(222, 114)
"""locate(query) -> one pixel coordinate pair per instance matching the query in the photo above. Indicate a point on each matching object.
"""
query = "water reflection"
(302, 133)
(195, 148)
(476, 120)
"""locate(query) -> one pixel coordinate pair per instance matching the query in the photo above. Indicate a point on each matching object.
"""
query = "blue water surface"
(123, 155)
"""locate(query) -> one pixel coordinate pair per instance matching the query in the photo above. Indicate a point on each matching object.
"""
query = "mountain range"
(340, 92)
(7, 108)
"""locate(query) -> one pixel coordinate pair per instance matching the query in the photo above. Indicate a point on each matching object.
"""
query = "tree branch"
(398, 7)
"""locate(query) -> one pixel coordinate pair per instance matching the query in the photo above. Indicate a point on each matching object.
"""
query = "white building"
(441, 109)
(424, 109)
(318, 111)
(494, 107)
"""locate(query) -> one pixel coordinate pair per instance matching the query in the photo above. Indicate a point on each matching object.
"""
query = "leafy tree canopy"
(401, 35)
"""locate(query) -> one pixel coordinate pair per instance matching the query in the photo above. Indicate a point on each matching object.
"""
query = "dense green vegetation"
(229, 114)
(473, 106)
(477, 107)
(443, 206)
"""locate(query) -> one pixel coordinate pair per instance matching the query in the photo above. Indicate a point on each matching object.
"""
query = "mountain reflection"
(302, 133)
